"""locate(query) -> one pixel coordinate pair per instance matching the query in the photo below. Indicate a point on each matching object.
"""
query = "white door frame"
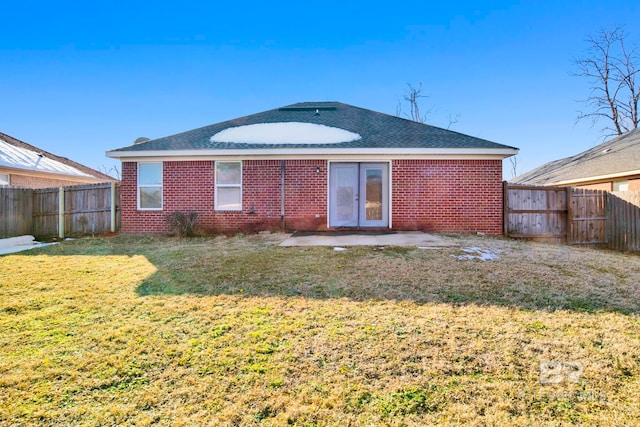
(343, 202)
(359, 187)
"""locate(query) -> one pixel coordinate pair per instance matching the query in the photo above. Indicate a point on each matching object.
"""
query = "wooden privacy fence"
(623, 216)
(16, 207)
(575, 216)
(59, 212)
(537, 213)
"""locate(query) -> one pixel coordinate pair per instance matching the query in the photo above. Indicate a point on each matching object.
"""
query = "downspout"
(282, 171)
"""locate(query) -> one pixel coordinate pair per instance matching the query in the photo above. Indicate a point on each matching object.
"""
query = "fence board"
(45, 212)
(15, 209)
(573, 216)
(536, 213)
(623, 223)
(87, 211)
(587, 217)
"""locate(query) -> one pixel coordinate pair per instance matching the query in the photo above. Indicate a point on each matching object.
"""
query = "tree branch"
(611, 69)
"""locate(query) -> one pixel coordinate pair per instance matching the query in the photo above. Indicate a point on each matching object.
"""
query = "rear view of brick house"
(315, 166)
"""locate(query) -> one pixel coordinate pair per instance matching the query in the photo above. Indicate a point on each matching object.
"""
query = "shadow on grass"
(159, 284)
(391, 273)
(559, 278)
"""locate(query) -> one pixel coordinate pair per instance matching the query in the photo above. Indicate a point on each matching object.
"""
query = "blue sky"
(81, 78)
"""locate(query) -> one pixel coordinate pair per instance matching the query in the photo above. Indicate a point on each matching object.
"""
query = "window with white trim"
(228, 196)
(621, 186)
(4, 179)
(150, 186)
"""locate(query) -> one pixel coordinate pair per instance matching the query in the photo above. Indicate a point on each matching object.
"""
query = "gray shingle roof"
(617, 156)
(377, 130)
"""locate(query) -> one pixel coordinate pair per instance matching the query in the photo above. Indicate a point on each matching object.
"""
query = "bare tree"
(112, 171)
(611, 68)
(514, 166)
(453, 120)
(413, 98)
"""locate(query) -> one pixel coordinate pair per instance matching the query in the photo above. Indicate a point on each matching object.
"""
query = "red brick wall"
(604, 186)
(306, 194)
(634, 185)
(429, 195)
(190, 187)
(134, 221)
(447, 195)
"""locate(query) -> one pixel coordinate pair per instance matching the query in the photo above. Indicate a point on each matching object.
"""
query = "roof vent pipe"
(141, 140)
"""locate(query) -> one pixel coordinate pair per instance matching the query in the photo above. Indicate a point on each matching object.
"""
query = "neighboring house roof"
(18, 155)
(314, 128)
(616, 158)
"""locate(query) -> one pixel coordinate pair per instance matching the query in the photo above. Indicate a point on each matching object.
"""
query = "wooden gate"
(587, 216)
(536, 213)
(569, 215)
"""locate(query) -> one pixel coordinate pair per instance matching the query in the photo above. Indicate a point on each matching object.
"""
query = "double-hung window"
(4, 179)
(150, 186)
(228, 178)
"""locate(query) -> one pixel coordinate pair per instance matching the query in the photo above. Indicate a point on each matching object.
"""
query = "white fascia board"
(51, 175)
(319, 153)
(597, 178)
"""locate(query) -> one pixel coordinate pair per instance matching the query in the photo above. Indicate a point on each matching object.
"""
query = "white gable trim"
(320, 153)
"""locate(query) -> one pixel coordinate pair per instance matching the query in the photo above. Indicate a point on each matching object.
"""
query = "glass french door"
(359, 195)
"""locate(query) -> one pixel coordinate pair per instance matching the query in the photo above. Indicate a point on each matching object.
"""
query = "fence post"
(113, 207)
(569, 215)
(61, 212)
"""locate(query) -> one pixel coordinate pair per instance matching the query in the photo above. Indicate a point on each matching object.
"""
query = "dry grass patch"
(238, 331)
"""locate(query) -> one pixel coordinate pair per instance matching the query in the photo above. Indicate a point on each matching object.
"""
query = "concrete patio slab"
(343, 239)
(12, 245)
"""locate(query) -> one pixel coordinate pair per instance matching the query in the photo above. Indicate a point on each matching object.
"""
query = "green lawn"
(238, 331)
